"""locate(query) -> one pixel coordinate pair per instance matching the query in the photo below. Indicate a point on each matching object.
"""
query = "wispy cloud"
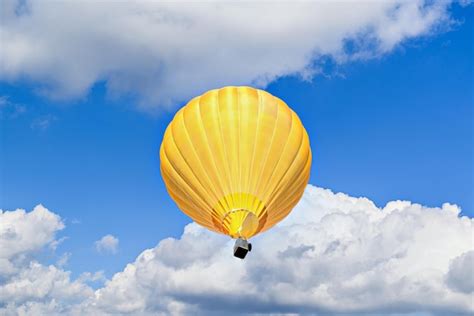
(64, 259)
(75, 221)
(10, 109)
(97, 276)
(42, 123)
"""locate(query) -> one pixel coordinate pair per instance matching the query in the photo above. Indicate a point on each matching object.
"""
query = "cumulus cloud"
(28, 287)
(22, 234)
(169, 51)
(107, 244)
(37, 283)
(333, 254)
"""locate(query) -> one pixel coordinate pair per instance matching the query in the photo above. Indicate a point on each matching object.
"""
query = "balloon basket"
(241, 248)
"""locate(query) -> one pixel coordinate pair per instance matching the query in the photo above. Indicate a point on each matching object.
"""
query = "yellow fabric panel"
(236, 160)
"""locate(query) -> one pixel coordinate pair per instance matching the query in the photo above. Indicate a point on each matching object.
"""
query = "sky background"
(394, 126)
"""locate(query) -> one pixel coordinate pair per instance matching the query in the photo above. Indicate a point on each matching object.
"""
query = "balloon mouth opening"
(240, 215)
(242, 223)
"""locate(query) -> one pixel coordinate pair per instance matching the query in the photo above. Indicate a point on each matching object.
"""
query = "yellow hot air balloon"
(236, 160)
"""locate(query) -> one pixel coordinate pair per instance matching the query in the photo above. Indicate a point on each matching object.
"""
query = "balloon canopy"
(236, 160)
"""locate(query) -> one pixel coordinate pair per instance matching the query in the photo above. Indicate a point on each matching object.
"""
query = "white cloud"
(26, 286)
(333, 254)
(63, 260)
(23, 234)
(461, 273)
(92, 277)
(169, 51)
(42, 283)
(107, 244)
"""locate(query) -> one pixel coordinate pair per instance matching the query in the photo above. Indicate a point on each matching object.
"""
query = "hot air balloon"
(236, 160)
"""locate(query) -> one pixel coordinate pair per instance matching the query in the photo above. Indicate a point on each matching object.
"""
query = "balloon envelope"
(236, 160)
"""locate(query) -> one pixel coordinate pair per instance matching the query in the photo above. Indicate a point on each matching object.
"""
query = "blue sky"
(395, 127)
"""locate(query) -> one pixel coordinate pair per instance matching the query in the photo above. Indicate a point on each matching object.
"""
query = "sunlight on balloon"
(236, 160)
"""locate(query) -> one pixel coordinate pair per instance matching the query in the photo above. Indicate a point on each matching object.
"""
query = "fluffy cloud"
(169, 51)
(333, 254)
(107, 244)
(26, 286)
(39, 286)
(22, 234)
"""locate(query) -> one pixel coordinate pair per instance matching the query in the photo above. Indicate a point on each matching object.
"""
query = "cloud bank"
(170, 51)
(333, 254)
